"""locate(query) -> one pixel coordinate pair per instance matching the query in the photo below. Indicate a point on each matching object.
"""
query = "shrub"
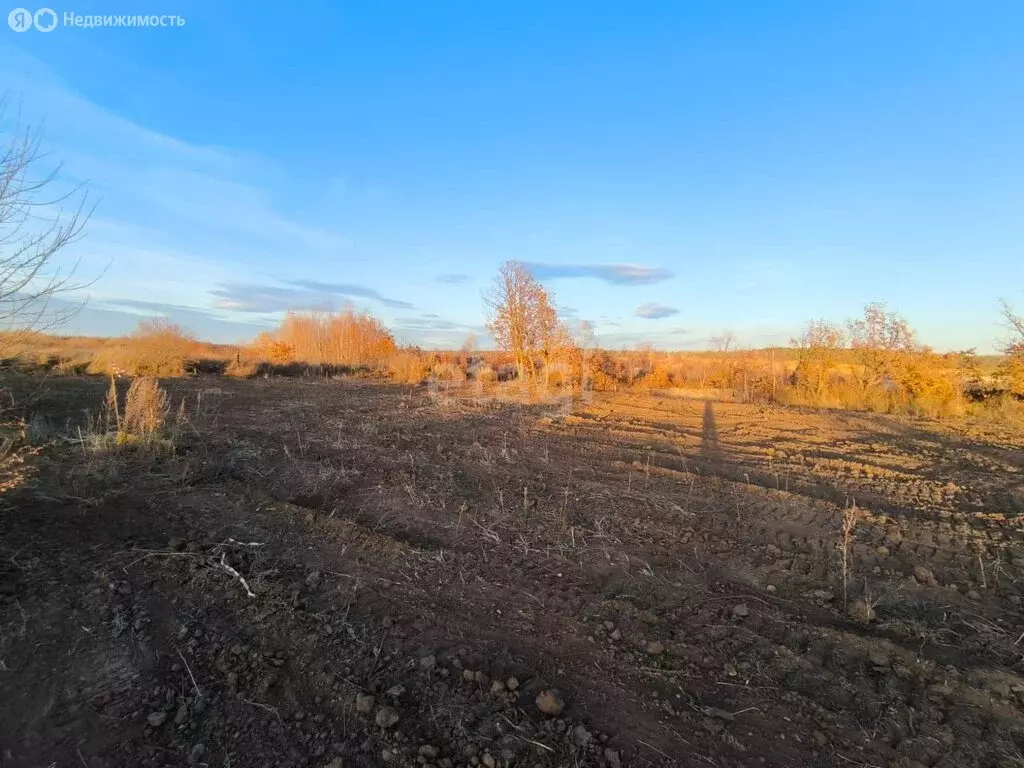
(658, 378)
(486, 374)
(271, 350)
(1010, 373)
(342, 338)
(604, 382)
(155, 348)
(407, 367)
(443, 371)
(241, 368)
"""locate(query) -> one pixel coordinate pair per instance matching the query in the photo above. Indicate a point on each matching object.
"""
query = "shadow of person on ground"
(709, 432)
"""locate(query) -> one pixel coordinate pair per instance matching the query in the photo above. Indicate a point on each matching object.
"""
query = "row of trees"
(873, 361)
(347, 338)
(879, 352)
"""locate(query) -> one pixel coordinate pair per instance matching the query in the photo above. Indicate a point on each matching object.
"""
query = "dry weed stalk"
(850, 517)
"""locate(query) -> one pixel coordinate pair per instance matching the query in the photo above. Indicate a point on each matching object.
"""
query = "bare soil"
(445, 580)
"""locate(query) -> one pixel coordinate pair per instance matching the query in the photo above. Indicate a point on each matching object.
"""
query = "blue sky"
(669, 168)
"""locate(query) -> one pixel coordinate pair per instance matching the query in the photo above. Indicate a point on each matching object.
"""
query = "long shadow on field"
(709, 432)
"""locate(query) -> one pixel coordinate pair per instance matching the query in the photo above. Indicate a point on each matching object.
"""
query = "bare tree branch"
(37, 222)
(1013, 321)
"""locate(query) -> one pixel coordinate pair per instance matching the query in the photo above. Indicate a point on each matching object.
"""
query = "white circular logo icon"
(20, 19)
(45, 19)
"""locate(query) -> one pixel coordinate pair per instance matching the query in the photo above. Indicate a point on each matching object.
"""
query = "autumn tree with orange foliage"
(818, 350)
(879, 340)
(267, 347)
(522, 318)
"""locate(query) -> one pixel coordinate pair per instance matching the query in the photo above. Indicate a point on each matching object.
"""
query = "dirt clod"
(364, 703)
(386, 717)
(550, 702)
(862, 611)
(313, 581)
(156, 719)
(924, 576)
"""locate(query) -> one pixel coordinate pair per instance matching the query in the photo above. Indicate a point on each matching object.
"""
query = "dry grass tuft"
(140, 422)
(145, 409)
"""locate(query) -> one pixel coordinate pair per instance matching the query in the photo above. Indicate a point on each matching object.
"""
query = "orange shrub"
(156, 348)
(346, 338)
(407, 367)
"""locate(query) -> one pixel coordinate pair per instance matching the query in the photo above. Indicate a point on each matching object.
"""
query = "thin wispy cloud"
(452, 279)
(430, 322)
(614, 274)
(350, 290)
(295, 295)
(110, 318)
(149, 308)
(655, 311)
(247, 297)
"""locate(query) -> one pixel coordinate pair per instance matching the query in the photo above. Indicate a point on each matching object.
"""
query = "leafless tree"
(37, 222)
(521, 315)
(1014, 322)
(1011, 370)
(724, 341)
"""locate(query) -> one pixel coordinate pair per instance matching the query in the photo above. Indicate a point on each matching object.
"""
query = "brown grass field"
(332, 572)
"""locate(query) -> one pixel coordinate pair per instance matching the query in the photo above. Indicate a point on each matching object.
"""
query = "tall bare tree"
(37, 221)
(1011, 370)
(724, 341)
(880, 340)
(521, 316)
